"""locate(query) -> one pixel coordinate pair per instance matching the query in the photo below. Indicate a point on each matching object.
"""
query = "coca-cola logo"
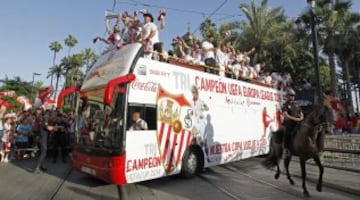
(148, 86)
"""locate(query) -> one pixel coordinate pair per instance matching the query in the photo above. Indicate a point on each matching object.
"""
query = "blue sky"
(28, 27)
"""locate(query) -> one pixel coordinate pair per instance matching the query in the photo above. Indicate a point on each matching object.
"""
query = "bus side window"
(146, 113)
(150, 117)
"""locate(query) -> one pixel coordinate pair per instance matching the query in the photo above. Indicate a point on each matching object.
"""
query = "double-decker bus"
(195, 119)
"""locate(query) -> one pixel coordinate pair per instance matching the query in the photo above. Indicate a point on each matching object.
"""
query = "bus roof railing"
(182, 63)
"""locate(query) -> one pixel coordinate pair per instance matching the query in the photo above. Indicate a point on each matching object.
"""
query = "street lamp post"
(315, 50)
(313, 23)
(33, 81)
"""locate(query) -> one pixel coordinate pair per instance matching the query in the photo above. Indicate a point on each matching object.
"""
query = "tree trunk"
(332, 66)
(347, 83)
(52, 75)
(57, 85)
(357, 89)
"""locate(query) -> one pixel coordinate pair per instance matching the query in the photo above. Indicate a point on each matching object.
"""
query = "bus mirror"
(65, 92)
(110, 87)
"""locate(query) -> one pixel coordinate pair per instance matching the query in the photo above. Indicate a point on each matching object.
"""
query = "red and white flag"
(45, 93)
(9, 93)
(25, 102)
(5, 104)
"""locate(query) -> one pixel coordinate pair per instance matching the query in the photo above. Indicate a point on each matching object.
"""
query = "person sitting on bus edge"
(138, 123)
(292, 116)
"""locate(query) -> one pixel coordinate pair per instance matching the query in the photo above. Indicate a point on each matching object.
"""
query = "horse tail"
(275, 153)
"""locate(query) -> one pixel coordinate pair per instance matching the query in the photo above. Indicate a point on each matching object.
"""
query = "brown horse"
(307, 142)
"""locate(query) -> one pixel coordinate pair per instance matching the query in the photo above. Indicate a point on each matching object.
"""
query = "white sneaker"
(6, 160)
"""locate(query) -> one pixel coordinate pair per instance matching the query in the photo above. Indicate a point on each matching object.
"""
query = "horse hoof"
(306, 194)
(277, 176)
(319, 187)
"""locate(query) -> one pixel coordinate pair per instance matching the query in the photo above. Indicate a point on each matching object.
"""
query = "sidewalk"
(18, 181)
(338, 179)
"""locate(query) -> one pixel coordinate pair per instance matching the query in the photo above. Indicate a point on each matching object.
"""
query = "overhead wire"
(136, 3)
(211, 14)
(203, 14)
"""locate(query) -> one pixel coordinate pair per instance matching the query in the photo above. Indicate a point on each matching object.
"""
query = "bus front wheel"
(192, 162)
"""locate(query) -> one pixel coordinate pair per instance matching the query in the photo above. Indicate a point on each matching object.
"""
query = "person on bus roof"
(292, 116)
(138, 123)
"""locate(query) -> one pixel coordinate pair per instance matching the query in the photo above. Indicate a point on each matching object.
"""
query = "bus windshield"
(99, 125)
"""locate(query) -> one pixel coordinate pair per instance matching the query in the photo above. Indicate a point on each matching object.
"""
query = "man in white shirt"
(222, 59)
(209, 54)
(138, 123)
(150, 35)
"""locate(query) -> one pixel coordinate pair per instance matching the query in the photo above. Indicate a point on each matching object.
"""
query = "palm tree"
(262, 26)
(56, 71)
(55, 46)
(346, 39)
(71, 65)
(89, 58)
(272, 35)
(70, 42)
(207, 28)
(332, 23)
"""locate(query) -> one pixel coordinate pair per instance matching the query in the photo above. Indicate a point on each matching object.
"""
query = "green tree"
(21, 88)
(73, 75)
(55, 46)
(56, 71)
(70, 42)
(71, 65)
(347, 40)
(18, 85)
(274, 38)
(89, 58)
(262, 26)
(207, 28)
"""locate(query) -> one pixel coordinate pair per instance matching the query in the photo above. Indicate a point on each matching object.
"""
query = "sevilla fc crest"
(173, 137)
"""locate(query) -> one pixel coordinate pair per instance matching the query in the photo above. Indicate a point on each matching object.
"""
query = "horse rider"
(292, 116)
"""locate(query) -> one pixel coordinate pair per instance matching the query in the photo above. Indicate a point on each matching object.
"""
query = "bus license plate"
(88, 170)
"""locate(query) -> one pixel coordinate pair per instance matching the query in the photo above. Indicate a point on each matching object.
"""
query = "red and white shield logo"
(172, 145)
(173, 137)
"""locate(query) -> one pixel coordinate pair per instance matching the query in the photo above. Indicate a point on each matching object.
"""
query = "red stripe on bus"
(188, 139)
(180, 147)
(172, 153)
(166, 143)
(161, 131)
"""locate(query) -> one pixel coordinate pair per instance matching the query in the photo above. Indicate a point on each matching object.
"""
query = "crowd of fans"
(26, 133)
(221, 59)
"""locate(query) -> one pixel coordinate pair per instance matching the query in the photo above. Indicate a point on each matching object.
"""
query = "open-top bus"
(195, 119)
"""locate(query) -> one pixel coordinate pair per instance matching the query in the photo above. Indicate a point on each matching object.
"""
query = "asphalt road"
(242, 180)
